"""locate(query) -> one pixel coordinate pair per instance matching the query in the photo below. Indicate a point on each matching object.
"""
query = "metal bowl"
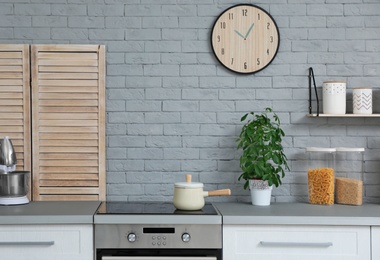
(14, 184)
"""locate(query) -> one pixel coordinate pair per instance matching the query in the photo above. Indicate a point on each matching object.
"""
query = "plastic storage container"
(321, 168)
(349, 176)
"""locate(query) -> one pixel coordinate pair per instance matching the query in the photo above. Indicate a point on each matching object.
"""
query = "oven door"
(158, 254)
(155, 258)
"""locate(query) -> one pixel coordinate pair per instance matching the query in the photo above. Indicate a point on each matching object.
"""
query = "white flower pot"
(261, 192)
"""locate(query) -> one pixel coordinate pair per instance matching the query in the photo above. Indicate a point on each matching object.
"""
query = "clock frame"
(245, 38)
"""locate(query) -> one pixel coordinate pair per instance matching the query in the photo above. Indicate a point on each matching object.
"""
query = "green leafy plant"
(263, 155)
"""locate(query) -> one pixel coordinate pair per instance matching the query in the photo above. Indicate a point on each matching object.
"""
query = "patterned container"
(334, 97)
(362, 100)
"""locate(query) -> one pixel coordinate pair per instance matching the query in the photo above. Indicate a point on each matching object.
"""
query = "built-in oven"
(157, 231)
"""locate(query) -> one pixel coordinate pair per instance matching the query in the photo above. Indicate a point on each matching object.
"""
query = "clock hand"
(241, 35)
(249, 30)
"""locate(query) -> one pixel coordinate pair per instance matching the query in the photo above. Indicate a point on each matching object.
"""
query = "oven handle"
(156, 258)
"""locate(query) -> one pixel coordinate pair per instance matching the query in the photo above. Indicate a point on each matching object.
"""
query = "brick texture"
(173, 109)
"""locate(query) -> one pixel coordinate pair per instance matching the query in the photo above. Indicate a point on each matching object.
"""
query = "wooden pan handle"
(225, 192)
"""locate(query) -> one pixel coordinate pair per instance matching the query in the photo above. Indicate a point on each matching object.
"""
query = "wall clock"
(245, 38)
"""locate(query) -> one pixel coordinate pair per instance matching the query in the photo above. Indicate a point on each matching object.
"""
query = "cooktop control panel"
(157, 236)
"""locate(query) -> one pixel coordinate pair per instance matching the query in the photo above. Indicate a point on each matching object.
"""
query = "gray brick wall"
(172, 109)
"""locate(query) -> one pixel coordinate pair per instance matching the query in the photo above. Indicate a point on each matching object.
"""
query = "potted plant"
(263, 160)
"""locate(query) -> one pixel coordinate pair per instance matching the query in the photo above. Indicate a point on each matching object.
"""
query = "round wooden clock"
(245, 38)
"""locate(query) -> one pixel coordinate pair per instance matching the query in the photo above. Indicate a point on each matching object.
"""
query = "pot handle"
(225, 192)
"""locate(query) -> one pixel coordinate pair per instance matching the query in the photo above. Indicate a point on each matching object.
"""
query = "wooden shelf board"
(345, 115)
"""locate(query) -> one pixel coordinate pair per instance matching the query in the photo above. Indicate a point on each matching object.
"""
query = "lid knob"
(188, 178)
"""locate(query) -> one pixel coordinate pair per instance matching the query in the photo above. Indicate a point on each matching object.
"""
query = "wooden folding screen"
(15, 100)
(68, 122)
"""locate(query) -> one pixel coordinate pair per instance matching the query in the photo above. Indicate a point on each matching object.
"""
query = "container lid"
(362, 88)
(188, 184)
(334, 81)
(320, 149)
(349, 149)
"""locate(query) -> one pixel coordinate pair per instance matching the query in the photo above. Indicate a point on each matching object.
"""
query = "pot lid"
(188, 184)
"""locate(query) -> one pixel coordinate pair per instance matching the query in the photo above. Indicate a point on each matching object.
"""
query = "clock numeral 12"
(245, 12)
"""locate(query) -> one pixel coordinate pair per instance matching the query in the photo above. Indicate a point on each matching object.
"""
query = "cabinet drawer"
(296, 242)
(42, 242)
(375, 235)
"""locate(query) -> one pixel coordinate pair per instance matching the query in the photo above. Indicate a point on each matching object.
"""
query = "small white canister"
(334, 97)
(362, 100)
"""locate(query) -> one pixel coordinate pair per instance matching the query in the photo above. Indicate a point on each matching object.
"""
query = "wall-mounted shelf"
(345, 115)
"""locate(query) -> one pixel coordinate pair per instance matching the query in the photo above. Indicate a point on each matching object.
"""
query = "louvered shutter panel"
(68, 122)
(15, 101)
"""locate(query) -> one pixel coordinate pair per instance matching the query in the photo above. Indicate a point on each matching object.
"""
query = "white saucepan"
(190, 195)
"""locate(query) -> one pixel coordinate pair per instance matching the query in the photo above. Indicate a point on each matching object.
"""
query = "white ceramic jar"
(334, 97)
(362, 100)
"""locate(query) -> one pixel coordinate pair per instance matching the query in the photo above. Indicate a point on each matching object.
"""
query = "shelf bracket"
(311, 77)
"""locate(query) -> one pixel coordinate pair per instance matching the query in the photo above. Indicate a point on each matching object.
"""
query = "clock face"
(245, 38)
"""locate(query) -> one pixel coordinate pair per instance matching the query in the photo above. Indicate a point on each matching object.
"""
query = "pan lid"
(188, 184)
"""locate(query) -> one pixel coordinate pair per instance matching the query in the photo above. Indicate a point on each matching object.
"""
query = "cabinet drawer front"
(296, 242)
(46, 242)
(375, 235)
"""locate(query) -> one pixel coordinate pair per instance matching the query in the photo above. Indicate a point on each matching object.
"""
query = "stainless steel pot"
(14, 184)
(190, 195)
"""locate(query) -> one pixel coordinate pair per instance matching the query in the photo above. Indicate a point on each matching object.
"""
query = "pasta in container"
(321, 175)
(321, 186)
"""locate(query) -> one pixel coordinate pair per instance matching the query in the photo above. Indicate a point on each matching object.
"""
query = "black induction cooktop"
(152, 208)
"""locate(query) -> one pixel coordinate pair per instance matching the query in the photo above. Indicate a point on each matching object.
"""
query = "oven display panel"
(160, 230)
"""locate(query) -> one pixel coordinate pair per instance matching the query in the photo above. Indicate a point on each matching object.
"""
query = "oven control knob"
(186, 237)
(131, 237)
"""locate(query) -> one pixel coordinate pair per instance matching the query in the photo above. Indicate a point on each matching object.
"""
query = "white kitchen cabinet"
(375, 242)
(46, 242)
(295, 242)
